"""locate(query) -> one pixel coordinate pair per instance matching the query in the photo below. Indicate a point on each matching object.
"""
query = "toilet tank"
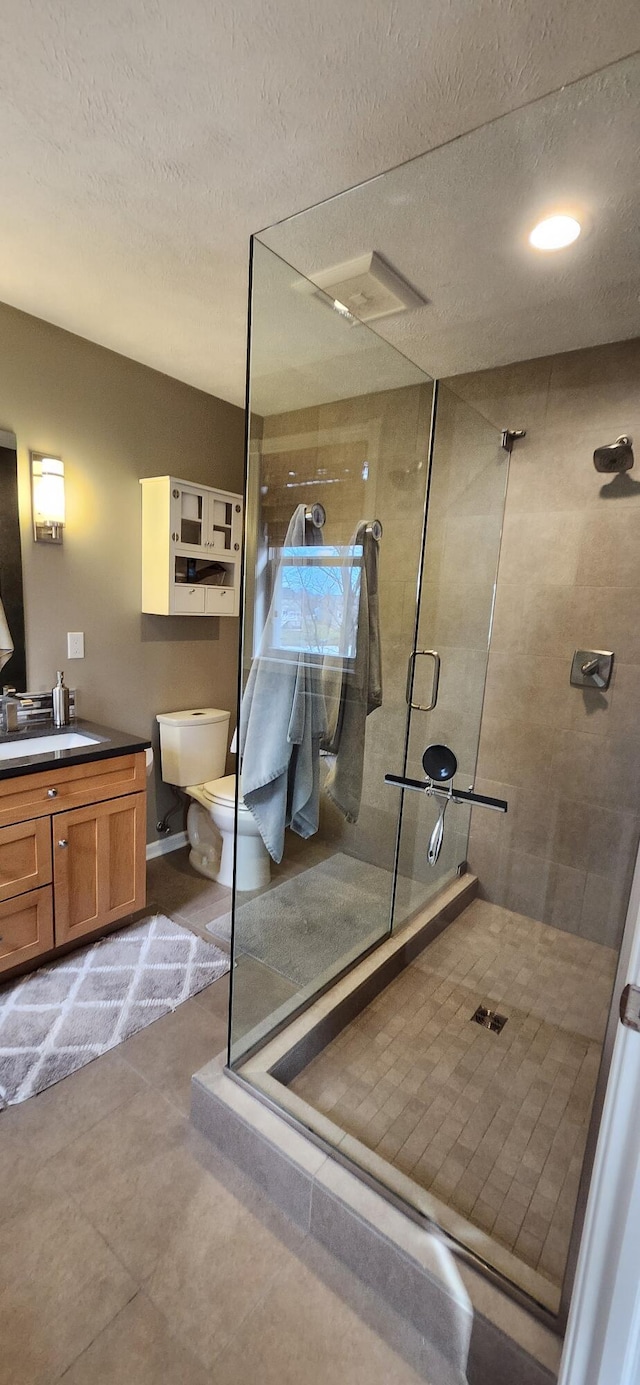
(193, 745)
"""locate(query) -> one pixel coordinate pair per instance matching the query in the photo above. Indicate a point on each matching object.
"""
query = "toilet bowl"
(193, 747)
(210, 828)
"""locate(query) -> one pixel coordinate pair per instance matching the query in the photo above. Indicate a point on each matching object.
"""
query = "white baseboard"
(166, 844)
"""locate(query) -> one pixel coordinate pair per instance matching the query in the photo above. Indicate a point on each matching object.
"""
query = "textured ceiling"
(143, 142)
(456, 222)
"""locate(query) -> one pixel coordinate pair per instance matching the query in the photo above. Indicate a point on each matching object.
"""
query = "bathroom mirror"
(13, 661)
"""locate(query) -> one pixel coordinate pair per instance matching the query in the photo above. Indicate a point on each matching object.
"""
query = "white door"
(602, 1344)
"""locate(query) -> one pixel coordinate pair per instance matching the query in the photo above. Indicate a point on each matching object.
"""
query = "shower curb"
(386, 1249)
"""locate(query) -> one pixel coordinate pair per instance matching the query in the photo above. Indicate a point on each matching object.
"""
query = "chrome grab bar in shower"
(423, 654)
(432, 790)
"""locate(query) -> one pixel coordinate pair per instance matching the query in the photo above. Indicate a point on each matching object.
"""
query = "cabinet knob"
(238, 508)
(52, 793)
(63, 842)
(236, 546)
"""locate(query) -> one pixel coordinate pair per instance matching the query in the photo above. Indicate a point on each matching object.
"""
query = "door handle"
(630, 1007)
(433, 790)
(423, 654)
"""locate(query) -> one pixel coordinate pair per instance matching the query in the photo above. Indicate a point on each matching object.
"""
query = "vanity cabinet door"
(99, 865)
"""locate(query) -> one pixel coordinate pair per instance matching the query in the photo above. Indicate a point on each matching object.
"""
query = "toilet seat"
(223, 792)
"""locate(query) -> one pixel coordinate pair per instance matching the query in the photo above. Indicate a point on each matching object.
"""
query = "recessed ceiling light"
(555, 232)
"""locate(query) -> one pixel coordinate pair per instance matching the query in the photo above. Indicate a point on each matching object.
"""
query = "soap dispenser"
(60, 698)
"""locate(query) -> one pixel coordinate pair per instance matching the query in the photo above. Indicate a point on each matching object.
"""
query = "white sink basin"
(42, 745)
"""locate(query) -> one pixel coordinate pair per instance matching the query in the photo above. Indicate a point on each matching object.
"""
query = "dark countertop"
(108, 744)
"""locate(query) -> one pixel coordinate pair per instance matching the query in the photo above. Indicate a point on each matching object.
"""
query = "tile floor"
(495, 1125)
(132, 1253)
(176, 889)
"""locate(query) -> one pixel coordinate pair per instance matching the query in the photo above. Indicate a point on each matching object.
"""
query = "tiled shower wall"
(567, 760)
(319, 453)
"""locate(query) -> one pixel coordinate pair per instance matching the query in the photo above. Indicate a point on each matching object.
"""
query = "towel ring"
(315, 515)
(375, 529)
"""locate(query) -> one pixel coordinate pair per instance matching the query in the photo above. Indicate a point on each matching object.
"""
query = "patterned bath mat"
(306, 924)
(59, 1018)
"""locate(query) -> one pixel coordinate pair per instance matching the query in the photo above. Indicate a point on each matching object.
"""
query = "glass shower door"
(336, 483)
(467, 490)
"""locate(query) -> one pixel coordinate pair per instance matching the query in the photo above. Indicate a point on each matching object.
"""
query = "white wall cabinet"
(191, 548)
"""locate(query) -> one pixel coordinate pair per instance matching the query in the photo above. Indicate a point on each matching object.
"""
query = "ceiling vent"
(368, 288)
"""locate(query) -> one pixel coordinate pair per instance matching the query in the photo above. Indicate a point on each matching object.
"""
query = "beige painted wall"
(567, 760)
(113, 421)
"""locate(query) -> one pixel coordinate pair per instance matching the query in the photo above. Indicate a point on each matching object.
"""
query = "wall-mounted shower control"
(591, 668)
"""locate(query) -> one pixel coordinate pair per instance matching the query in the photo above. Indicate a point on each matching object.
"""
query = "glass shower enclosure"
(381, 615)
(426, 982)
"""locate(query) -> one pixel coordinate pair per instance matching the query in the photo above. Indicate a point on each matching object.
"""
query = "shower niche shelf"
(191, 548)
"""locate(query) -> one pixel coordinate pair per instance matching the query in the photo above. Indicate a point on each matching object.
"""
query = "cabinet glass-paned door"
(188, 516)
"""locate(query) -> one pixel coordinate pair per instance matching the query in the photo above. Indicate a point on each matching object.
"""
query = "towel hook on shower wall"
(315, 515)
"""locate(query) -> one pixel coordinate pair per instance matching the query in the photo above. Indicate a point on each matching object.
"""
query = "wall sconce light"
(47, 497)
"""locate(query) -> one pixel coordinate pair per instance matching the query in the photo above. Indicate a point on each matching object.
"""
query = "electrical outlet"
(75, 644)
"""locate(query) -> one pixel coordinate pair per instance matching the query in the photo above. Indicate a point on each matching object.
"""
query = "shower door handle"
(423, 654)
(433, 790)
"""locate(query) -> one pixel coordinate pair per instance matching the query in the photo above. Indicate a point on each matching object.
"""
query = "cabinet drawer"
(188, 600)
(25, 857)
(220, 601)
(26, 927)
(56, 790)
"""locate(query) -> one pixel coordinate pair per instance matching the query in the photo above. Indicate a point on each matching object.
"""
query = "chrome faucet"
(10, 706)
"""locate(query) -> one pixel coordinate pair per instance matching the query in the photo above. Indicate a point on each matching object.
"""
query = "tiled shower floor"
(492, 1124)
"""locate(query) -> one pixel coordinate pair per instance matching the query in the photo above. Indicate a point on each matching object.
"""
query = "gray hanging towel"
(282, 713)
(353, 688)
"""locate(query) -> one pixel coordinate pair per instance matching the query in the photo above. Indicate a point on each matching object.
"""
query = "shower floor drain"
(489, 1019)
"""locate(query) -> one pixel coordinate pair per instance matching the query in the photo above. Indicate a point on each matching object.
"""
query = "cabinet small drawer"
(188, 600)
(56, 790)
(25, 857)
(26, 927)
(220, 601)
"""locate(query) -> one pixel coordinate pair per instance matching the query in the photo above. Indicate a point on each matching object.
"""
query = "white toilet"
(193, 747)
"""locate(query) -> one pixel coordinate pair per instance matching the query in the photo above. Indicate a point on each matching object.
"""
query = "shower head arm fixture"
(510, 435)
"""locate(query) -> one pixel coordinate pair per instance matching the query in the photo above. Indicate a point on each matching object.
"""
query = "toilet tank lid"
(203, 715)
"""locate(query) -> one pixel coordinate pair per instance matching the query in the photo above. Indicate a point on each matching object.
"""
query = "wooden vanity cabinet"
(72, 854)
